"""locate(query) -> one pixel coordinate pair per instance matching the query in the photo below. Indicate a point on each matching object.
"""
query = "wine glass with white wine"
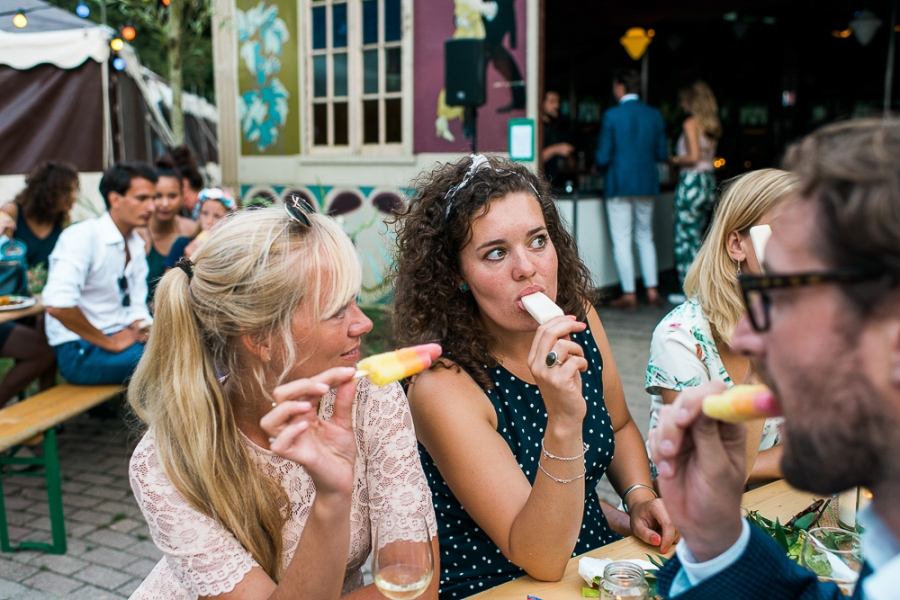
(402, 560)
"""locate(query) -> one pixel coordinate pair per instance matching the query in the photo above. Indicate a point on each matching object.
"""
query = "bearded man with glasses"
(824, 326)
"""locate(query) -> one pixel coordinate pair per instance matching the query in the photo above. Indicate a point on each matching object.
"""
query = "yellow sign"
(635, 42)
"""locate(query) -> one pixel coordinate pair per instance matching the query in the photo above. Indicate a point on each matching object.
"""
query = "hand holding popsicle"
(742, 403)
(386, 368)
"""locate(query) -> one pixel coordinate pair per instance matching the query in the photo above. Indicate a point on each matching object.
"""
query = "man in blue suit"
(823, 325)
(632, 141)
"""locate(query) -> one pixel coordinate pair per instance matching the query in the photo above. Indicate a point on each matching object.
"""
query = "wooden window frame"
(355, 74)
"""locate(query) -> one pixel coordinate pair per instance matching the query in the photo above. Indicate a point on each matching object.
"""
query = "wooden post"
(224, 38)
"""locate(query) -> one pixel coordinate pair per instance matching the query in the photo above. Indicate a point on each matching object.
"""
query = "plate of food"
(16, 302)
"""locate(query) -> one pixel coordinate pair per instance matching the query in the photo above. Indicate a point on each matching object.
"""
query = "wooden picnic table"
(777, 499)
(30, 311)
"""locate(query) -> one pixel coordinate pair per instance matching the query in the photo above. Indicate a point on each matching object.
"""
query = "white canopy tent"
(62, 100)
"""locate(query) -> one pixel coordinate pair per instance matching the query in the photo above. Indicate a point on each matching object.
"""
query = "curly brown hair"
(45, 187)
(432, 230)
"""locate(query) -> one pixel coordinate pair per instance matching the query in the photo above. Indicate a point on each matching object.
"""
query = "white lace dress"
(203, 558)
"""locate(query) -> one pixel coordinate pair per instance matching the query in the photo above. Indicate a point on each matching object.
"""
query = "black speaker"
(464, 72)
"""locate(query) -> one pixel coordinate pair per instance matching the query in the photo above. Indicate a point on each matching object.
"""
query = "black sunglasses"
(298, 210)
(756, 288)
(123, 287)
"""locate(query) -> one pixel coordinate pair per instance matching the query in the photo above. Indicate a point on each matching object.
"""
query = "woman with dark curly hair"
(35, 217)
(41, 209)
(519, 422)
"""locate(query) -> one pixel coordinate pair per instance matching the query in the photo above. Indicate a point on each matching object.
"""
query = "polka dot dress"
(470, 561)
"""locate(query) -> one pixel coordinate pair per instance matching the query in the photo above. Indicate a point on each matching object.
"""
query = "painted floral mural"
(264, 106)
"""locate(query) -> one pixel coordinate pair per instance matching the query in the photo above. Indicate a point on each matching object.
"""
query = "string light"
(119, 63)
(20, 20)
(116, 44)
(128, 32)
(82, 10)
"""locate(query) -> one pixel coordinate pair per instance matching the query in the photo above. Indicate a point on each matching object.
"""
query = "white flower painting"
(263, 111)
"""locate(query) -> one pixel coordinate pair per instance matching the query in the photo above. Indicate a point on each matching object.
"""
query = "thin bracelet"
(634, 487)
(558, 480)
(554, 457)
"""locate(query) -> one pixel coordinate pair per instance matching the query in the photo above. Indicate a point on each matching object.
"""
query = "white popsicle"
(541, 307)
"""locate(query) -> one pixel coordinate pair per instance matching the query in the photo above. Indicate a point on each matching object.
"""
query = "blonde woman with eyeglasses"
(265, 463)
(690, 346)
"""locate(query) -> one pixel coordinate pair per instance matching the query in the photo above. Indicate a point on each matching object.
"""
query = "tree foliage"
(149, 19)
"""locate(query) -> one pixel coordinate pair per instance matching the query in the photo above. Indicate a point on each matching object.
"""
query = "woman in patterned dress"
(690, 345)
(696, 189)
(265, 464)
(519, 422)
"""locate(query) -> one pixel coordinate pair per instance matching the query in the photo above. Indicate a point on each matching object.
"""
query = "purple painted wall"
(434, 23)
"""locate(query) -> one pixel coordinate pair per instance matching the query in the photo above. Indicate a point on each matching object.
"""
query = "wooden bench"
(26, 421)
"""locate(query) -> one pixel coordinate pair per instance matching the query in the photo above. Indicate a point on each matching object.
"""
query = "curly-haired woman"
(41, 209)
(519, 422)
(36, 217)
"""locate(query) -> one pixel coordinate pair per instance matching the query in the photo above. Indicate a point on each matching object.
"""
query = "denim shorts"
(83, 363)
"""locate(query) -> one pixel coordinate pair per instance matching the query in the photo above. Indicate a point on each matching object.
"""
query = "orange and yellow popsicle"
(383, 369)
(742, 403)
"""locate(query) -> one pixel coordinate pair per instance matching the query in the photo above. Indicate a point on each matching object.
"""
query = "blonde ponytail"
(249, 278)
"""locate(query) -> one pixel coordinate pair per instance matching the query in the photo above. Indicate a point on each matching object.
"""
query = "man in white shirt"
(96, 292)
(824, 327)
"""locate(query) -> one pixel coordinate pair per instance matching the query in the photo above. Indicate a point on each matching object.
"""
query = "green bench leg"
(50, 463)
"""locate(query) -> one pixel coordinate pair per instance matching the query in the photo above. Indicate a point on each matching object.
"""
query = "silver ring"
(552, 359)
(271, 440)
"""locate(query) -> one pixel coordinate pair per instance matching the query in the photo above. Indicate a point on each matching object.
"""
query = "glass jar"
(623, 580)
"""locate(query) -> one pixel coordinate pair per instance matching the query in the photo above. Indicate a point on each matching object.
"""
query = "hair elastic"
(186, 265)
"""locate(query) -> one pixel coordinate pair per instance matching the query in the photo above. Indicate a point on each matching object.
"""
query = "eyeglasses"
(755, 289)
(123, 287)
(299, 210)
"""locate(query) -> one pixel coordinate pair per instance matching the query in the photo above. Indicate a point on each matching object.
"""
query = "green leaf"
(804, 522)
(834, 541)
(796, 549)
(819, 564)
(780, 536)
(588, 592)
(655, 561)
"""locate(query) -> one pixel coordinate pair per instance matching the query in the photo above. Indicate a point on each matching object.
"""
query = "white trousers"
(632, 216)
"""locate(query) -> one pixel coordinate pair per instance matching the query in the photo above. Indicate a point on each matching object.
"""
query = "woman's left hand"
(651, 523)
(326, 449)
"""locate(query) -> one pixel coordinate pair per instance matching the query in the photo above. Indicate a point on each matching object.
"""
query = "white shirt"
(879, 547)
(84, 272)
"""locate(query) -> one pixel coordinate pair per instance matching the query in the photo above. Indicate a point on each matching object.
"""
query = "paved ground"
(109, 548)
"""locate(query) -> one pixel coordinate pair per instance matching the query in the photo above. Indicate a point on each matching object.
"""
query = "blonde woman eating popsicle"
(518, 421)
(690, 345)
(266, 463)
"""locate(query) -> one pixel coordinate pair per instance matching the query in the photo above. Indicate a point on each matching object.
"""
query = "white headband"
(479, 163)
